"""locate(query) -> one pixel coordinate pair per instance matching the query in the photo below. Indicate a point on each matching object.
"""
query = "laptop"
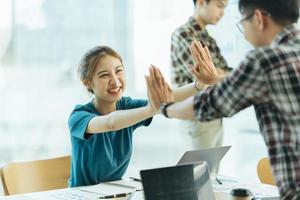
(188, 181)
(212, 156)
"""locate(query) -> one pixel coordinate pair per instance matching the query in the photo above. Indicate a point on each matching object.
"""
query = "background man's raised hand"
(204, 69)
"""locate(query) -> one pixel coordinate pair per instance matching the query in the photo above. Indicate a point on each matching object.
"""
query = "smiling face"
(108, 80)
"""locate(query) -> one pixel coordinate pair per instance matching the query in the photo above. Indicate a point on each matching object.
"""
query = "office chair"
(2, 180)
(35, 176)
(264, 171)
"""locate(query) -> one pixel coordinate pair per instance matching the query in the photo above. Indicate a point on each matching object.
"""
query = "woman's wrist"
(152, 111)
(163, 108)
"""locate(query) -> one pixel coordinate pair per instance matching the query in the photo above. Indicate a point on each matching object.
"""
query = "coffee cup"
(240, 194)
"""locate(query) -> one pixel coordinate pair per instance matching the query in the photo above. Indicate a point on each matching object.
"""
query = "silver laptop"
(212, 156)
(187, 181)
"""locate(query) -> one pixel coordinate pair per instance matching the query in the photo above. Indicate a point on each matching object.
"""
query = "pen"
(218, 180)
(114, 195)
(135, 179)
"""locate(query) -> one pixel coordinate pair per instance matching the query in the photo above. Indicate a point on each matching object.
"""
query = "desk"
(49, 195)
(221, 191)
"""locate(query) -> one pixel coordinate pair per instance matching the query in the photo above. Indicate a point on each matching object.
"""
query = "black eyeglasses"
(240, 25)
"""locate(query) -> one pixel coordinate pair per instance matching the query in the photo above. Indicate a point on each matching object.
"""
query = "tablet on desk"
(182, 182)
(212, 156)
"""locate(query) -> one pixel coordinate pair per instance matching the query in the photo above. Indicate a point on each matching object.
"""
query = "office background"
(41, 43)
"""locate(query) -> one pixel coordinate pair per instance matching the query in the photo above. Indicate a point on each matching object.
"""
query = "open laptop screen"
(212, 156)
(187, 181)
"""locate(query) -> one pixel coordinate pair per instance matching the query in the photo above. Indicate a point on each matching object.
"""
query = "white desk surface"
(49, 196)
(221, 192)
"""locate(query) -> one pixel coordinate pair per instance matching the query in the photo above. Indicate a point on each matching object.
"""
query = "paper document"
(88, 192)
(63, 194)
(259, 190)
(19, 197)
(114, 187)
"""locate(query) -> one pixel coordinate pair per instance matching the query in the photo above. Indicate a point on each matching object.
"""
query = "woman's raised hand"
(158, 89)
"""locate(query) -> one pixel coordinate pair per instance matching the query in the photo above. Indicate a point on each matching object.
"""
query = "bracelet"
(195, 85)
(163, 108)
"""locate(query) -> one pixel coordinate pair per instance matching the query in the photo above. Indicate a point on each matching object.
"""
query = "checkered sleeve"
(240, 89)
(181, 57)
(219, 60)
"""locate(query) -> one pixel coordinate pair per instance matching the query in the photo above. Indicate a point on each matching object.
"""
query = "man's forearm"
(182, 110)
(186, 91)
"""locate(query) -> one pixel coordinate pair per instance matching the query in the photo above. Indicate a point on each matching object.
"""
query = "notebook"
(212, 156)
(88, 192)
(187, 181)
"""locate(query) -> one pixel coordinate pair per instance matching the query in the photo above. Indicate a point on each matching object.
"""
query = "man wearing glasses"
(268, 78)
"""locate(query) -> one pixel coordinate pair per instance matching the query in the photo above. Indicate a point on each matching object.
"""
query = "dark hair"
(90, 60)
(195, 1)
(283, 12)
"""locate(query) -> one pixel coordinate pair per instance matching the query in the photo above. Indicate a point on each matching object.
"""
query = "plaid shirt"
(181, 56)
(269, 79)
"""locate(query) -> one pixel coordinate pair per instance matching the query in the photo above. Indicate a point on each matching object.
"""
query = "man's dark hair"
(283, 12)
